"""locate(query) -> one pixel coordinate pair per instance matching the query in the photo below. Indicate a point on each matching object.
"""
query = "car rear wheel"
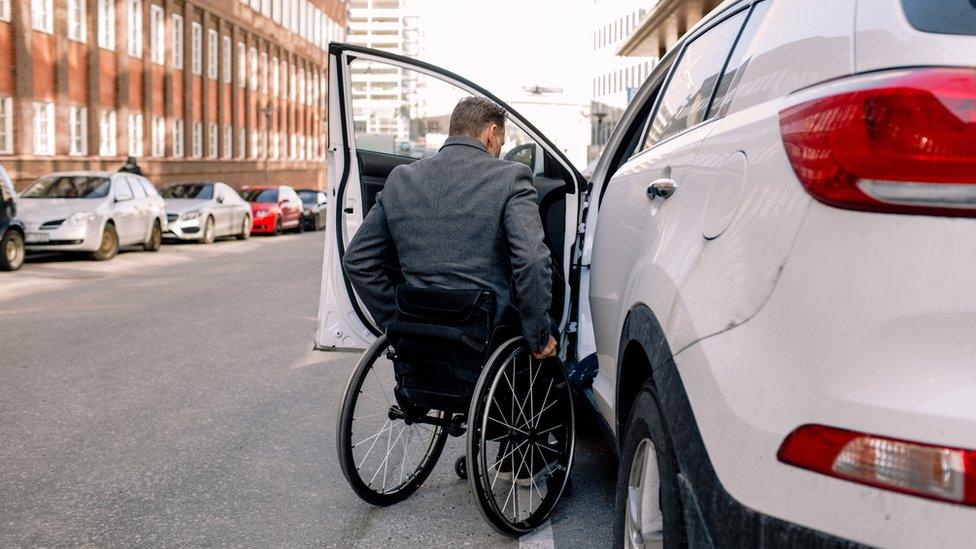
(245, 229)
(208, 231)
(277, 229)
(648, 507)
(109, 246)
(155, 238)
(11, 250)
(300, 226)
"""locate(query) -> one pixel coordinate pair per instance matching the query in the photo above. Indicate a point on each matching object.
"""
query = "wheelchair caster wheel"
(461, 468)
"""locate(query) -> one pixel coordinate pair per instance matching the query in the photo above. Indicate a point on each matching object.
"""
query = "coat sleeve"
(369, 259)
(530, 259)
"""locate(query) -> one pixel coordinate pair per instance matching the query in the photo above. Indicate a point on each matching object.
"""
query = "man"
(131, 166)
(460, 219)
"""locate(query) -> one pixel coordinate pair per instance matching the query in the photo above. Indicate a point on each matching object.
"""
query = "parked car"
(205, 211)
(313, 214)
(771, 276)
(94, 212)
(11, 230)
(274, 209)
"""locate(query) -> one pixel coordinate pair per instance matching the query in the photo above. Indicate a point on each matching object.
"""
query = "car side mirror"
(220, 199)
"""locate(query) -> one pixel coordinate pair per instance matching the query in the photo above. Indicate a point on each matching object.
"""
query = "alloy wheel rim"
(644, 520)
(12, 251)
(108, 241)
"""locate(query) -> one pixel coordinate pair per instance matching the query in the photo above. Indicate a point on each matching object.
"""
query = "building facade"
(230, 90)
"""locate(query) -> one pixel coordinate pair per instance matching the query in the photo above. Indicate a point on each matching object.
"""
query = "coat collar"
(464, 140)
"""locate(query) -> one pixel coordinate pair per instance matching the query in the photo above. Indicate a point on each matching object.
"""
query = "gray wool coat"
(461, 219)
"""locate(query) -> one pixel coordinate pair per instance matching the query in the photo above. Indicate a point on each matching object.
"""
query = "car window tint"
(686, 96)
(737, 62)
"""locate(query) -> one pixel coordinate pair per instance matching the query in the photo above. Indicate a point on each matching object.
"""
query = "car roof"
(93, 173)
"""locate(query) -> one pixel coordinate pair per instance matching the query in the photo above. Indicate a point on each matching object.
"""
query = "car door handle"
(662, 187)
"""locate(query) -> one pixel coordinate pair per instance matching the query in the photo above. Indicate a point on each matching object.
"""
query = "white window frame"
(158, 136)
(196, 48)
(241, 64)
(227, 59)
(264, 72)
(228, 140)
(253, 57)
(43, 128)
(77, 23)
(157, 34)
(197, 140)
(276, 11)
(213, 133)
(42, 15)
(179, 137)
(107, 136)
(177, 41)
(134, 28)
(255, 140)
(135, 134)
(275, 77)
(77, 130)
(241, 140)
(6, 123)
(212, 53)
(5, 12)
(286, 13)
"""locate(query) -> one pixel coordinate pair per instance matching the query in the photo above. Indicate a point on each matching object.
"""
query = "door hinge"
(581, 229)
(571, 327)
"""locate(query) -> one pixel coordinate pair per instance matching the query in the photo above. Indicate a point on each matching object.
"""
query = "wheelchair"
(444, 369)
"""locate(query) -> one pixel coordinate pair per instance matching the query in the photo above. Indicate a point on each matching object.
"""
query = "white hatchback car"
(96, 212)
(768, 273)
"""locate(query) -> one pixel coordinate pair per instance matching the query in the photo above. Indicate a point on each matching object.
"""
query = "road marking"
(541, 538)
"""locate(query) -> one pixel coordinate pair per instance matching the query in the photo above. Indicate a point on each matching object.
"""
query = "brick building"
(197, 90)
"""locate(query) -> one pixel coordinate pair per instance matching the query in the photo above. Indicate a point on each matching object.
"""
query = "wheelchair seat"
(441, 338)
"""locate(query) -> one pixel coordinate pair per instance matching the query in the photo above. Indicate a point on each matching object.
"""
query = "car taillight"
(935, 472)
(903, 142)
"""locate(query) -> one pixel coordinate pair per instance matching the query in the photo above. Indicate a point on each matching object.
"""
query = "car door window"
(685, 99)
(137, 190)
(737, 62)
(150, 190)
(121, 190)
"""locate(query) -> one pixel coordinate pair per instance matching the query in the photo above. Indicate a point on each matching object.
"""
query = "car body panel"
(288, 209)
(226, 207)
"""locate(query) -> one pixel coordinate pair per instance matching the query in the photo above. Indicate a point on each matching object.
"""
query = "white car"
(769, 273)
(205, 211)
(95, 212)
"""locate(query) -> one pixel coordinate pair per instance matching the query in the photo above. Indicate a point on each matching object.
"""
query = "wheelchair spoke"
(512, 427)
(386, 426)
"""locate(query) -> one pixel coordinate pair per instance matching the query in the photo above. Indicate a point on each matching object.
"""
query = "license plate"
(37, 237)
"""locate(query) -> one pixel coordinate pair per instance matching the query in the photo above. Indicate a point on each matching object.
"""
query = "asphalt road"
(173, 399)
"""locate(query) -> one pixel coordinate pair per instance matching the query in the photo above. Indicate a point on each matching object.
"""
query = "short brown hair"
(473, 114)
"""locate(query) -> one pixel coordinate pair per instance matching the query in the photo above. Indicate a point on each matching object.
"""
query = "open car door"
(386, 110)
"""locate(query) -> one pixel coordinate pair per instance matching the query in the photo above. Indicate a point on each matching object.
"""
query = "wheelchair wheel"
(383, 456)
(521, 433)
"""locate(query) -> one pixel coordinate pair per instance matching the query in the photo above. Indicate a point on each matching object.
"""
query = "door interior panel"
(375, 167)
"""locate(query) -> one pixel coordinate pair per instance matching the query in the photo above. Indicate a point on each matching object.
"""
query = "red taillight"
(935, 472)
(904, 143)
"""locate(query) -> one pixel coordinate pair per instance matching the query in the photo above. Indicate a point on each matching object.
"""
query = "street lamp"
(267, 142)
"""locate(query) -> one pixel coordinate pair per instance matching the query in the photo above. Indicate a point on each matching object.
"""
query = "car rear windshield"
(308, 197)
(942, 16)
(201, 191)
(260, 195)
(68, 186)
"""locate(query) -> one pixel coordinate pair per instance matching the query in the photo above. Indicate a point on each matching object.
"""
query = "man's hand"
(548, 351)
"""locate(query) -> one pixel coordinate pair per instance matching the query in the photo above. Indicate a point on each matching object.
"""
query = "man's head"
(481, 119)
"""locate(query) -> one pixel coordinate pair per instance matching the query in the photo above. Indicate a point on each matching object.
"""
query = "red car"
(274, 209)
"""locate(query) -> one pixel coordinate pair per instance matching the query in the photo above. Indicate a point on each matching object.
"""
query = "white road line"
(541, 538)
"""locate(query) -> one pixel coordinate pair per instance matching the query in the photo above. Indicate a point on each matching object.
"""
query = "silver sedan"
(206, 211)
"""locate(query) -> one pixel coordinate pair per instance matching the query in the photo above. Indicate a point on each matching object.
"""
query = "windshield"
(308, 197)
(200, 191)
(260, 195)
(68, 186)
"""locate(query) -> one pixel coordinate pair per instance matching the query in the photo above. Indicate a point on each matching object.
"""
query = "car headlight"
(79, 218)
(192, 214)
(261, 213)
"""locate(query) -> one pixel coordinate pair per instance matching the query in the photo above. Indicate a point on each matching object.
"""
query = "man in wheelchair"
(452, 265)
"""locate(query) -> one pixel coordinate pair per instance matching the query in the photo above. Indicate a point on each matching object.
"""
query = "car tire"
(208, 231)
(155, 238)
(300, 227)
(277, 228)
(648, 464)
(245, 229)
(318, 222)
(109, 245)
(11, 250)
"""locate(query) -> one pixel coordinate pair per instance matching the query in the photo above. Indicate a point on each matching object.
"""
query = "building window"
(134, 28)
(284, 78)
(76, 20)
(228, 54)
(241, 65)
(135, 134)
(157, 35)
(197, 139)
(264, 73)
(212, 132)
(240, 142)
(177, 41)
(256, 5)
(275, 76)
(159, 136)
(275, 145)
(77, 130)
(286, 13)
(301, 86)
(266, 8)
(106, 133)
(276, 11)
(291, 84)
(43, 128)
(196, 48)
(254, 69)
(6, 125)
(178, 136)
(228, 140)
(211, 54)
(5, 10)
(254, 143)
(42, 16)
